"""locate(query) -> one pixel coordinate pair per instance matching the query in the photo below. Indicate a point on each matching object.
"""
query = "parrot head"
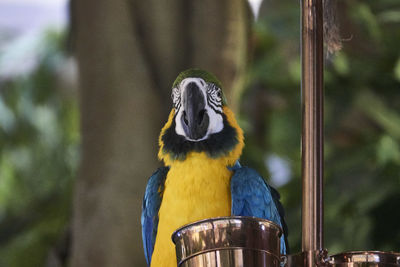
(200, 120)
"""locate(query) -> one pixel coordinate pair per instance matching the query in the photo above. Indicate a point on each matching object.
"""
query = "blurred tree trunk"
(129, 53)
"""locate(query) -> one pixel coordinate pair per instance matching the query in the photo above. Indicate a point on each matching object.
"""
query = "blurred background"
(75, 156)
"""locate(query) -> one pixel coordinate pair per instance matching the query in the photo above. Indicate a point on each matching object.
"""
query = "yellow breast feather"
(195, 189)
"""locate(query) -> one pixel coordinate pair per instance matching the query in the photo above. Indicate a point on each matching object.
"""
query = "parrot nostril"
(201, 116)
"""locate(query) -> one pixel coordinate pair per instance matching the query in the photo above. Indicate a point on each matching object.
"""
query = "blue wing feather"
(150, 207)
(252, 196)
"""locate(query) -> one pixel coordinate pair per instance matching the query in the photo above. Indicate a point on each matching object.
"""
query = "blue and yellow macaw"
(202, 178)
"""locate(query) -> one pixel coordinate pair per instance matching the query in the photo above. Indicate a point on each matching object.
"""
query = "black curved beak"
(194, 119)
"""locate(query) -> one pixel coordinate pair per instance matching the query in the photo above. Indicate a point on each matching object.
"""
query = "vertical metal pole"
(312, 133)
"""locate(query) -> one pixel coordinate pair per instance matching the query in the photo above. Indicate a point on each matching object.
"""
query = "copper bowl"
(228, 241)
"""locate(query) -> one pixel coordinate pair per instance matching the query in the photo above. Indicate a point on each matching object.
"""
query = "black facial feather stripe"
(210, 99)
(211, 87)
(178, 105)
(217, 111)
(212, 103)
(176, 98)
(214, 107)
(216, 145)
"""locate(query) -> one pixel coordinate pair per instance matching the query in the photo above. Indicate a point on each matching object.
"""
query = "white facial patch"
(213, 106)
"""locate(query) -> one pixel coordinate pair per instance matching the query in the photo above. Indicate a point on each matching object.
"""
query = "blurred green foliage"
(39, 135)
(39, 154)
(362, 120)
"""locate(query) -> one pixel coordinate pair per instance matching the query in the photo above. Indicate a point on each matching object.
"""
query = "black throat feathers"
(216, 145)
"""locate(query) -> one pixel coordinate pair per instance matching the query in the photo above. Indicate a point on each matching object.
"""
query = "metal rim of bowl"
(215, 219)
(383, 257)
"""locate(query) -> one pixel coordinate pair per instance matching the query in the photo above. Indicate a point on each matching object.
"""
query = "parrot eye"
(214, 93)
(176, 98)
